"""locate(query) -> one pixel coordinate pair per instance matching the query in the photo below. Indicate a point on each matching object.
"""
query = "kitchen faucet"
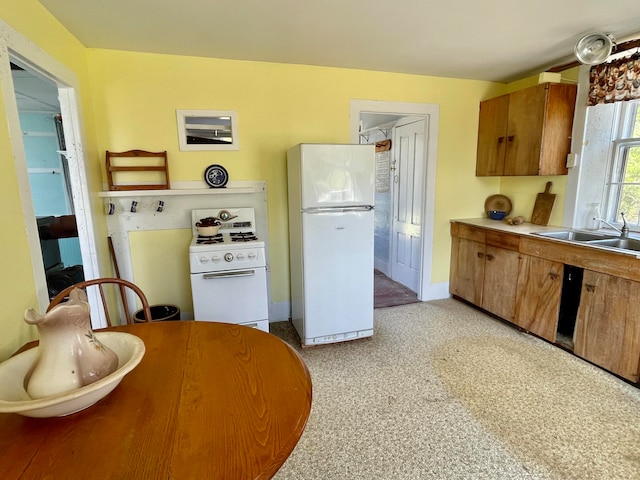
(624, 232)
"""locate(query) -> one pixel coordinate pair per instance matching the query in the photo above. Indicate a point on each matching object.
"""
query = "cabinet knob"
(490, 257)
(480, 255)
(553, 276)
(511, 137)
(590, 288)
(500, 139)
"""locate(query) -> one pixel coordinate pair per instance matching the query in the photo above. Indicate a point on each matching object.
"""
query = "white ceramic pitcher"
(69, 354)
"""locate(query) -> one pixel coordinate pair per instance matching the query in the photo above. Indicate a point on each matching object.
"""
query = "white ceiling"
(497, 40)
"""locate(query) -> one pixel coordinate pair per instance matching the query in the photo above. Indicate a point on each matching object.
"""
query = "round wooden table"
(208, 400)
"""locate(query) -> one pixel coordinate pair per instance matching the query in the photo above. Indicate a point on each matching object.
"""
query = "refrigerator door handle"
(359, 208)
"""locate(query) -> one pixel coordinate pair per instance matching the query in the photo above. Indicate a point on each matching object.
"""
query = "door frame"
(14, 47)
(426, 291)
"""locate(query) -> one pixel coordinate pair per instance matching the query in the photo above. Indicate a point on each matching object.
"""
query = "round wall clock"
(216, 176)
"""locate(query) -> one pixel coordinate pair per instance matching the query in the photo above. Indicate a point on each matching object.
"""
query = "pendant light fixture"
(594, 48)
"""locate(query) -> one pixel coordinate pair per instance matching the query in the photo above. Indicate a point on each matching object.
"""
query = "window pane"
(632, 164)
(629, 204)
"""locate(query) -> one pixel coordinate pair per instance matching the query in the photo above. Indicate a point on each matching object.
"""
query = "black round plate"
(216, 176)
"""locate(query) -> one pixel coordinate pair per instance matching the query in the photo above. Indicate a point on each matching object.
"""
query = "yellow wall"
(136, 96)
(132, 104)
(17, 283)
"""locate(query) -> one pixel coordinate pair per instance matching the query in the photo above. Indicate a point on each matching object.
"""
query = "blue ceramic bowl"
(496, 214)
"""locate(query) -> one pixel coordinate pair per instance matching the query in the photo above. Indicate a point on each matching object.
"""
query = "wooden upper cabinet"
(527, 132)
(492, 132)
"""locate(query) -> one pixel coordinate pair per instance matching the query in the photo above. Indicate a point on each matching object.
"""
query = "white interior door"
(427, 289)
(406, 239)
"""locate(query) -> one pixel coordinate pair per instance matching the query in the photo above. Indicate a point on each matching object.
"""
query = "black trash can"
(159, 313)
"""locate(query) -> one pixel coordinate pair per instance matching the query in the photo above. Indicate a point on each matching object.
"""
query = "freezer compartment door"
(336, 175)
(337, 273)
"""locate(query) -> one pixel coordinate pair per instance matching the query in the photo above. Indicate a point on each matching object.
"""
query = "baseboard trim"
(436, 291)
(279, 312)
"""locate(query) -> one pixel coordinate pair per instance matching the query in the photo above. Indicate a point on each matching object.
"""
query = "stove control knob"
(240, 256)
(204, 259)
(252, 255)
(228, 257)
(215, 259)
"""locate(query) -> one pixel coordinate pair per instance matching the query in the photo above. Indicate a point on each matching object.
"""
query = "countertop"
(530, 228)
(522, 229)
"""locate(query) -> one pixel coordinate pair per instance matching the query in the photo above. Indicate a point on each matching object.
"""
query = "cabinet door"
(524, 131)
(492, 132)
(558, 125)
(470, 270)
(500, 279)
(608, 324)
(527, 132)
(538, 293)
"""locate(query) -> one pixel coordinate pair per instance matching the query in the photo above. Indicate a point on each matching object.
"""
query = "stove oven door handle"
(237, 273)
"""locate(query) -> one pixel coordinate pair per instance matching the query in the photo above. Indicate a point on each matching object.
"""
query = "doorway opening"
(405, 185)
(17, 49)
(48, 173)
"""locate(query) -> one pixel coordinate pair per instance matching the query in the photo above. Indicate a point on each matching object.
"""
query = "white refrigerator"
(331, 193)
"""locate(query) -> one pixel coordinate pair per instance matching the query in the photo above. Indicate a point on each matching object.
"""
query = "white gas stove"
(228, 270)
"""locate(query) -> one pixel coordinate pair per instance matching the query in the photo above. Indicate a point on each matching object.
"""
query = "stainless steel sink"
(623, 243)
(575, 236)
(595, 239)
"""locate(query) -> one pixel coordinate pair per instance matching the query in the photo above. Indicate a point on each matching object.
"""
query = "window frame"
(621, 140)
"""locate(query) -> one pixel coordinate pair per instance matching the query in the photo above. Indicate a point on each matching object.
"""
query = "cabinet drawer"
(503, 240)
(471, 233)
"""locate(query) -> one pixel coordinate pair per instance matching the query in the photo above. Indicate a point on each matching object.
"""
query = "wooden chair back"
(122, 285)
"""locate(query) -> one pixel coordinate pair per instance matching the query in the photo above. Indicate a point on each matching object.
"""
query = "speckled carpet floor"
(443, 391)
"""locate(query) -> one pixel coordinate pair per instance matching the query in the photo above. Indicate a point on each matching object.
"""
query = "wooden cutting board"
(544, 205)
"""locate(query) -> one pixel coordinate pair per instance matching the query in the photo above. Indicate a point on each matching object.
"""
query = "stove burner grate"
(243, 236)
(208, 240)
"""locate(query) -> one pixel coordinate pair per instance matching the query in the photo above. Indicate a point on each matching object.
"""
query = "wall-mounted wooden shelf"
(238, 187)
(155, 193)
(162, 168)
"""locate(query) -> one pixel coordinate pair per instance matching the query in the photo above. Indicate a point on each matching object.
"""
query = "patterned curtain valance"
(615, 81)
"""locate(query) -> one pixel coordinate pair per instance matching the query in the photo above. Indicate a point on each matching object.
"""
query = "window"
(622, 189)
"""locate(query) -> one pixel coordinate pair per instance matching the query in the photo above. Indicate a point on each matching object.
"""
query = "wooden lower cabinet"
(516, 279)
(500, 275)
(486, 276)
(470, 270)
(538, 296)
(608, 324)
